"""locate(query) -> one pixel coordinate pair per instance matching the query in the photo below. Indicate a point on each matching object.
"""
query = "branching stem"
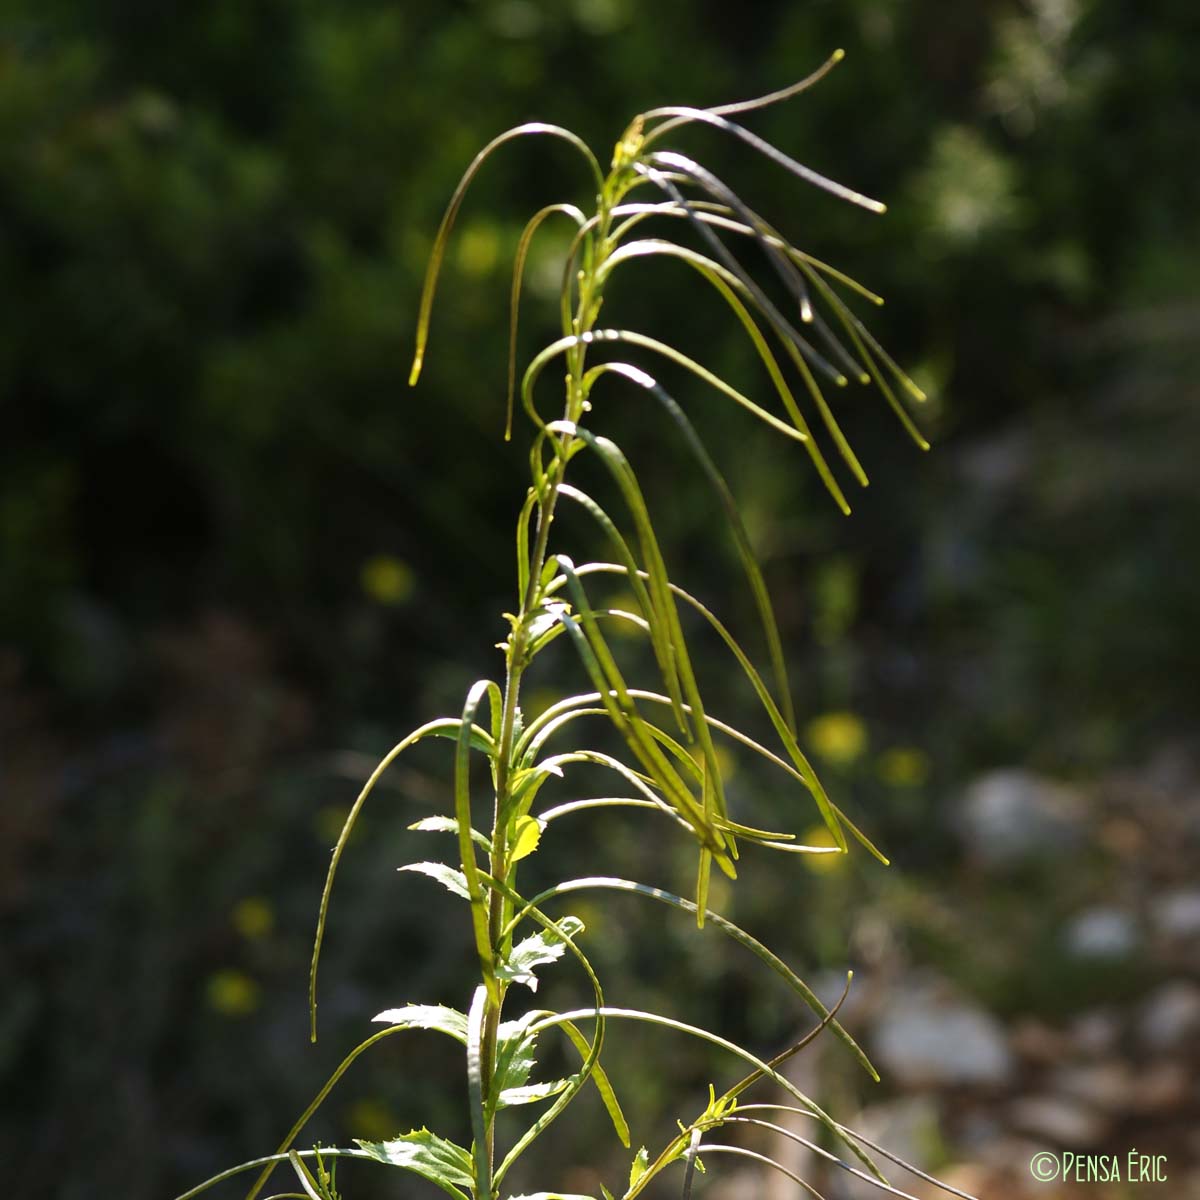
(517, 654)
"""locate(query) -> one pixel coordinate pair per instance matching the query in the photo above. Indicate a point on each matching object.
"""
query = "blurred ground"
(239, 559)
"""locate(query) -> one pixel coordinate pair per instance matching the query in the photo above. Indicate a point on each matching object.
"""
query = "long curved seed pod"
(732, 1048)
(443, 727)
(443, 234)
(726, 926)
(683, 115)
(749, 560)
(531, 227)
(797, 346)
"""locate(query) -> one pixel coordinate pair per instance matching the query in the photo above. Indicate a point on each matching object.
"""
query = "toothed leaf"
(449, 877)
(531, 1093)
(427, 1016)
(426, 1154)
(556, 1196)
(448, 825)
(536, 951)
(641, 1163)
(528, 834)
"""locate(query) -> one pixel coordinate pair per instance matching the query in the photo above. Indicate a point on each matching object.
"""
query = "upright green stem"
(595, 251)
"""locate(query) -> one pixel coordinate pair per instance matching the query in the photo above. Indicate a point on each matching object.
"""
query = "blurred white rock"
(907, 1128)
(1060, 1121)
(1176, 914)
(1170, 1015)
(1110, 1086)
(1011, 815)
(1097, 1031)
(925, 1037)
(1102, 932)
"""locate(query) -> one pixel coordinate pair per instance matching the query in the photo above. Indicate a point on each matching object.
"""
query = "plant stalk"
(516, 658)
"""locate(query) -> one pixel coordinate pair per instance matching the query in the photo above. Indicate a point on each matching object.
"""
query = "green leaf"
(427, 1016)
(528, 833)
(525, 785)
(538, 950)
(556, 1196)
(449, 877)
(641, 1162)
(523, 545)
(532, 1093)
(514, 1059)
(426, 1154)
(542, 621)
(449, 825)
(592, 1056)
(514, 1049)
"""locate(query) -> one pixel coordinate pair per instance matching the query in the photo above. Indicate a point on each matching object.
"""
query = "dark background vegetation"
(239, 558)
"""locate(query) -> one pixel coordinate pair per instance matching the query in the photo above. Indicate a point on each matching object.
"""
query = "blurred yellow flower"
(536, 701)
(253, 917)
(387, 580)
(625, 602)
(328, 822)
(232, 993)
(372, 1120)
(839, 737)
(727, 764)
(903, 766)
(719, 893)
(478, 248)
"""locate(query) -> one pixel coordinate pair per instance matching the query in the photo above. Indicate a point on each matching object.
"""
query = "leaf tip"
(415, 372)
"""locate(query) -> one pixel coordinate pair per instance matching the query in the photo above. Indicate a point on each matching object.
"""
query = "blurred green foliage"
(236, 561)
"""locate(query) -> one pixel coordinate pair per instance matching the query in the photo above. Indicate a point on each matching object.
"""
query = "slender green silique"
(656, 737)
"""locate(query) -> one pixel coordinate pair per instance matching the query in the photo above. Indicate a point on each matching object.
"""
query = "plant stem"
(516, 658)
